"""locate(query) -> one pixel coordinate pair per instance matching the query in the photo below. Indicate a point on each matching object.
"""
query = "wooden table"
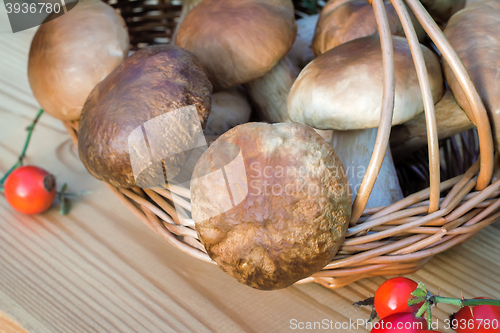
(100, 270)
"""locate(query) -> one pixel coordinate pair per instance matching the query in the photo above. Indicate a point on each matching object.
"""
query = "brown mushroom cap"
(287, 210)
(450, 120)
(341, 21)
(238, 40)
(342, 88)
(71, 54)
(474, 33)
(152, 82)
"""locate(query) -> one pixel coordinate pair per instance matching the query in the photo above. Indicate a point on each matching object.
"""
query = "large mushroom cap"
(342, 88)
(341, 21)
(474, 33)
(159, 91)
(283, 212)
(71, 54)
(238, 40)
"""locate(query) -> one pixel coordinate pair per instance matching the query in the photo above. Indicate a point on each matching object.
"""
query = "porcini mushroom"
(341, 90)
(341, 21)
(238, 41)
(412, 135)
(269, 93)
(187, 6)
(71, 54)
(474, 33)
(229, 109)
(160, 91)
(270, 203)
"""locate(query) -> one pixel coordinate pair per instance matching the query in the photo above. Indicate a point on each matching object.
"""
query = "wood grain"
(9, 325)
(99, 269)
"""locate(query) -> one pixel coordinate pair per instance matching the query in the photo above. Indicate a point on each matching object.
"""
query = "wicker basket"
(397, 239)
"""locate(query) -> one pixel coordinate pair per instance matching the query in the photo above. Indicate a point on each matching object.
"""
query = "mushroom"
(341, 90)
(229, 109)
(269, 93)
(270, 203)
(144, 118)
(327, 135)
(187, 6)
(474, 33)
(301, 53)
(71, 54)
(341, 21)
(412, 135)
(238, 41)
(442, 10)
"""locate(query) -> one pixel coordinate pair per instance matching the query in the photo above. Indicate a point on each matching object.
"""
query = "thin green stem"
(429, 300)
(416, 300)
(72, 194)
(65, 204)
(421, 311)
(30, 131)
(429, 315)
(25, 147)
(465, 302)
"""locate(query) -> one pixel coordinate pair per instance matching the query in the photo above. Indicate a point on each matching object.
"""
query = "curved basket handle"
(425, 88)
(384, 129)
(479, 115)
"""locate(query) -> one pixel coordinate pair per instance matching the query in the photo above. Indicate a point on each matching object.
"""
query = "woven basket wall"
(398, 239)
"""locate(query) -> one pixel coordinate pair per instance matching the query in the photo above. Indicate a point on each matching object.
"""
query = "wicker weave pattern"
(397, 239)
(149, 22)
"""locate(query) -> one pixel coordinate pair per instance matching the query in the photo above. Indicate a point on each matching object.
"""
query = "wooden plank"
(100, 270)
(9, 325)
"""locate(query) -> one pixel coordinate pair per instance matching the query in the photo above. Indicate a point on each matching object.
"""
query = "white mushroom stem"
(354, 149)
(187, 5)
(269, 93)
(229, 109)
(412, 135)
(325, 134)
(301, 53)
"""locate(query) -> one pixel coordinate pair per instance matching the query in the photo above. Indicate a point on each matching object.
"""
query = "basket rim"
(396, 239)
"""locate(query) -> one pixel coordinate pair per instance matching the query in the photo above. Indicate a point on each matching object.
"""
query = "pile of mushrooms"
(271, 201)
